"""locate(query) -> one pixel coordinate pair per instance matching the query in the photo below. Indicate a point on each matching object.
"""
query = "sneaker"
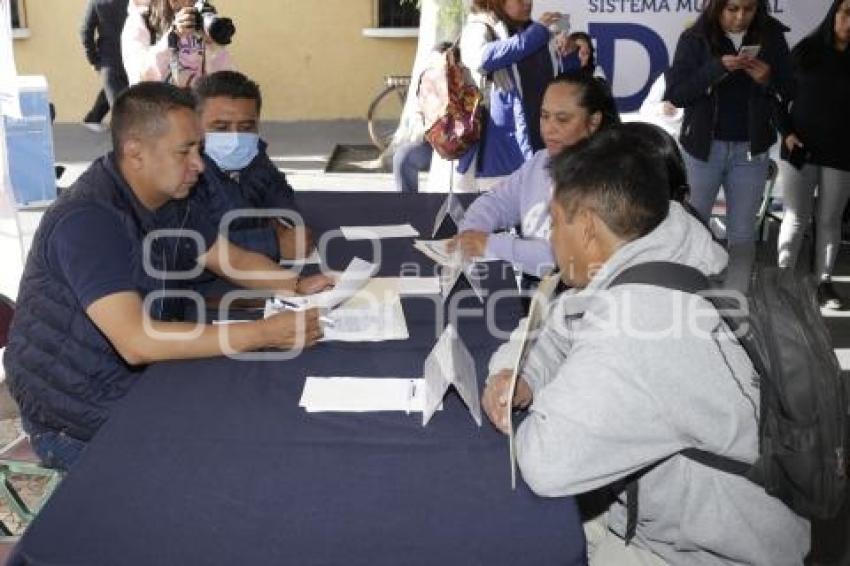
(828, 297)
(95, 127)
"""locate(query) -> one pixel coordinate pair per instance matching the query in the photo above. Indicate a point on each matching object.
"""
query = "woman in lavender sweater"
(575, 106)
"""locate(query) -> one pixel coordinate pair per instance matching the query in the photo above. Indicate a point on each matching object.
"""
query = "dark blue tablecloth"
(213, 462)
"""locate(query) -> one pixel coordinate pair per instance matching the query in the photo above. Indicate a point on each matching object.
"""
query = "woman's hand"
(495, 398)
(758, 70)
(471, 243)
(185, 21)
(732, 63)
(549, 18)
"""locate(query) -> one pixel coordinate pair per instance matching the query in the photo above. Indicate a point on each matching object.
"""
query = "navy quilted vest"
(63, 373)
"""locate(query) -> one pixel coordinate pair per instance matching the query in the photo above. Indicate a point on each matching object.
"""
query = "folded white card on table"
(379, 232)
(450, 363)
(362, 394)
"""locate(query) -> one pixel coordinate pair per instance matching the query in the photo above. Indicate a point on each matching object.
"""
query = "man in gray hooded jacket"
(622, 380)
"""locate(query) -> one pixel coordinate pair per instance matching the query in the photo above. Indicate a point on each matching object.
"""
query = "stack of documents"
(359, 308)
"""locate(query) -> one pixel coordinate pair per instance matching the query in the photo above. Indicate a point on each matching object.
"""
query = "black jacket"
(692, 83)
(820, 110)
(104, 18)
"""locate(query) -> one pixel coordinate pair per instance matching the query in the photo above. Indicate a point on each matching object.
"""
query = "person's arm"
(484, 54)
(255, 271)
(90, 251)
(262, 240)
(532, 255)
(498, 208)
(87, 34)
(218, 58)
(782, 88)
(691, 76)
(135, 47)
(140, 340)
(504, 53)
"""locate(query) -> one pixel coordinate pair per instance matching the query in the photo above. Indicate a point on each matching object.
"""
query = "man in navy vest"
(238, 174)
(85, 323)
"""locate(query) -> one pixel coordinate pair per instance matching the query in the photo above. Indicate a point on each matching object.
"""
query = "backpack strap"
(686, 279)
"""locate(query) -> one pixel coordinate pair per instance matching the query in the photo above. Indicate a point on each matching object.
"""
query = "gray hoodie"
(627, 378)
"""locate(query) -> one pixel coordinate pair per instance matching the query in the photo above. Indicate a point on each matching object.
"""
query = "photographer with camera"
(176, 41)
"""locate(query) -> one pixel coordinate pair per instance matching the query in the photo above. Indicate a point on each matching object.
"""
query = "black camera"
(219, 29)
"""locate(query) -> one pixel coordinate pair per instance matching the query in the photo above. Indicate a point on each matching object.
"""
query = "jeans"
(798, 197)
(55, 449)
(114, 83)
(743, 179)
(408, 160)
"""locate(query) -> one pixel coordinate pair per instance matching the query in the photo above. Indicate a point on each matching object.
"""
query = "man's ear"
(587, 220)
(132, 152)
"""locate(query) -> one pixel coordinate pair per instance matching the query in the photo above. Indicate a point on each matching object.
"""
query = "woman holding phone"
(816, 149)
(731, 99)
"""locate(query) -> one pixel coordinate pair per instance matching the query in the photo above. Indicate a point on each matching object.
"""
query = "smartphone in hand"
(749, 50)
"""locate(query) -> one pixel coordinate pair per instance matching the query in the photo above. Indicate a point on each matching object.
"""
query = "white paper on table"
(379, 232)
(354, 278)
(410, 286)
(373, 314)
(367, 321)
(450, 363)
(533, 323)
(362, 394)
(312, 259)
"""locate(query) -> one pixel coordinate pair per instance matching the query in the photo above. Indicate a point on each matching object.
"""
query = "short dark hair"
(143, 109)
(231, 84)
(612, 177)
(595, 95)
(660, 145)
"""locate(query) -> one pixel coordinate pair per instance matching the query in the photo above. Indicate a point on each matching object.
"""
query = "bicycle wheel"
(385, 114)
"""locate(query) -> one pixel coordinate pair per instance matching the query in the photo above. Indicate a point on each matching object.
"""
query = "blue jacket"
(62, 371)
(506, 143)
(260, 185)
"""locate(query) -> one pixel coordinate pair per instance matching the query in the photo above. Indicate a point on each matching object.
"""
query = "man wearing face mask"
(239, 176)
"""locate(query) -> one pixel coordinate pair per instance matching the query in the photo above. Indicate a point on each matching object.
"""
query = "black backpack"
(803, 435)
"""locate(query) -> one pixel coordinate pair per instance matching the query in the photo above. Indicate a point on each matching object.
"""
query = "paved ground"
(302, 150)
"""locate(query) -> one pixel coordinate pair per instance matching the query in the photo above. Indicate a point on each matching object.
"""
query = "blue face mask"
(232, 151)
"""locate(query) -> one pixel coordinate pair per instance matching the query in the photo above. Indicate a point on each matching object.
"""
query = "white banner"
(636, 39)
